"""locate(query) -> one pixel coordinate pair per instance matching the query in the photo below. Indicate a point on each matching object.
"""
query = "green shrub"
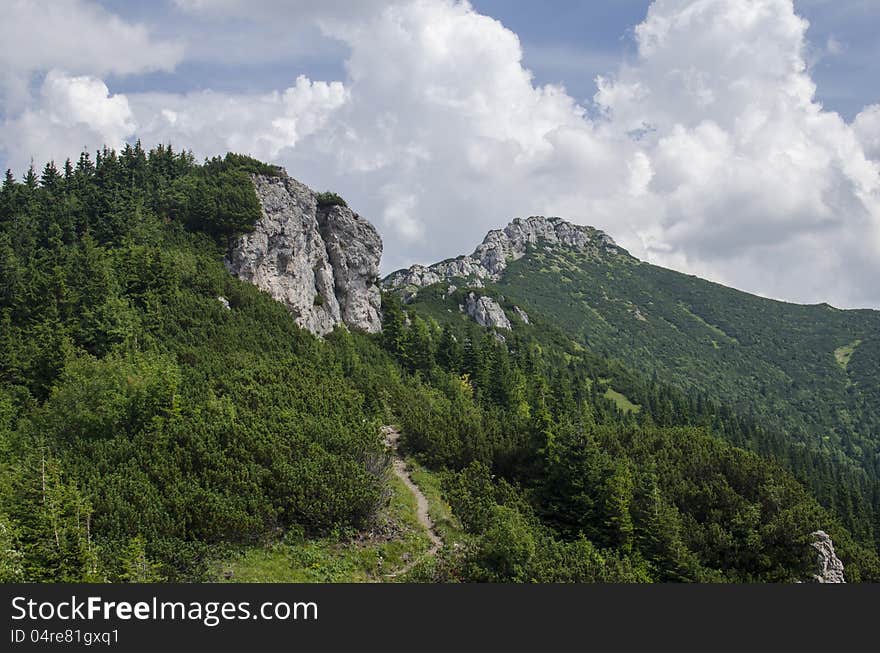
(328, 199)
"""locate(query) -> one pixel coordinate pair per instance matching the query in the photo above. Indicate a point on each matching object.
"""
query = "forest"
(157, 414)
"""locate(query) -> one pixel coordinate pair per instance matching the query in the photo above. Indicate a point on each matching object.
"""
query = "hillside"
(813, 368)
(192, 379)
(804, 374)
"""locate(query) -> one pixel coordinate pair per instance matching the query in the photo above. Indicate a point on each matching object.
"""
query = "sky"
(738, 140)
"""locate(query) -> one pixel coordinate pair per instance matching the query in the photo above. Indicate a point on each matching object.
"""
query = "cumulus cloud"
(259, 125)
(755, 183)
(55, 54)
(72, 111)
(79, 36)
(707, 152)
(867, 128)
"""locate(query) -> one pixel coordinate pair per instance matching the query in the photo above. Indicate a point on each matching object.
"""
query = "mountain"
(814, 370)
(194, 385)
(811, 374)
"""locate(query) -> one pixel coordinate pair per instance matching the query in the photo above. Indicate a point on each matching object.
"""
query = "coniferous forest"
(148, 429)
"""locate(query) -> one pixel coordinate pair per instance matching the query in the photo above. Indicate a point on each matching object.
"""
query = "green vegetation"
(762, 357)
(327, 199)
(621, 401)
(395, 539)
(147, 433)
(136, 409)
(553, 478)
(843, 354)
(794, 374)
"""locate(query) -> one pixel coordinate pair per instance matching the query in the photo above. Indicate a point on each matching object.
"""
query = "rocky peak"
(829, 568)
(500, 247)
(322, 263)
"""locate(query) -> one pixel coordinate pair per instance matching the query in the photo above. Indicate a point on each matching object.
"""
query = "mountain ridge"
(492, 256)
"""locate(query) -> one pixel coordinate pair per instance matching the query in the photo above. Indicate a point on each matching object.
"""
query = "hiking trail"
(392, 435)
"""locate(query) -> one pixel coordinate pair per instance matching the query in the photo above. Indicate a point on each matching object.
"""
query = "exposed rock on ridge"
(321, 263)
(500, 247)
(486, 312)
(829, 568)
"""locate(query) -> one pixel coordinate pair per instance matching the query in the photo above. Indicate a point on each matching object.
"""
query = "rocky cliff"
(486, 312)
(500, 247)
(321, 262)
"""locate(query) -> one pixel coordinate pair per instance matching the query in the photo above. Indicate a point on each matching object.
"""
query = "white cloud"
(711, 154)
(757, 185)
(75, 35)
(867, 128)
(64, 48)
(259, 125)
(72, 111)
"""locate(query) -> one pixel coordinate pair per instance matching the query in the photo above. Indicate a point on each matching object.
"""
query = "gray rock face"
(521, 314)
(500, 247)
(486, 312)
(354, 250)
(321, 264)
(829, 568)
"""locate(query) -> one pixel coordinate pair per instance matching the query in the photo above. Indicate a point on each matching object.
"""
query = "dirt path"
(392, 435)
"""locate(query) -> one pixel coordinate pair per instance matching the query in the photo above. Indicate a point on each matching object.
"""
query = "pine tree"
(617, 519)
(51, 178)
(137, 567)
(449, 351)
(394, 336)
(30, 179)
(420, 347)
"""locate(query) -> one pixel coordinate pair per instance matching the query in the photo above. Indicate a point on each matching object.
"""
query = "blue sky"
(689, 130)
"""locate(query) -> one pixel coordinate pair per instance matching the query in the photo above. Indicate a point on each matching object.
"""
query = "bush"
(328, 199)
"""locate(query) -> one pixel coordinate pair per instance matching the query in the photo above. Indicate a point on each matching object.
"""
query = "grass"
(336, 559)
(622, 402)
(844, 354)
(714, 329)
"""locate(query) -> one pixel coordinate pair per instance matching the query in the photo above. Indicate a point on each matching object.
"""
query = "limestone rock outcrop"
(521, 314)
(500, 247)
(322, 263)
(486, 312)
(829, 568)
(354, 249)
